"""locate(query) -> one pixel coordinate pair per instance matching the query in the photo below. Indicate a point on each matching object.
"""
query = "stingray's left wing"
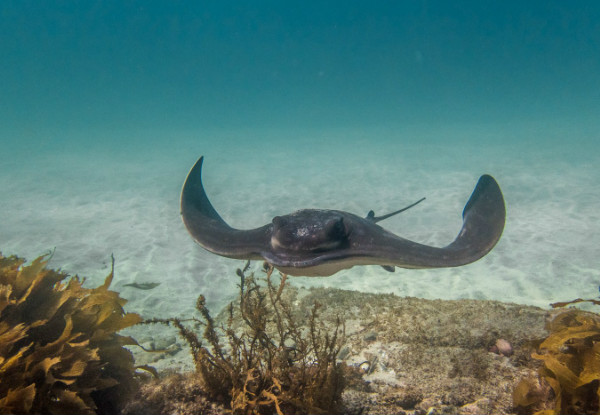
(483, 222)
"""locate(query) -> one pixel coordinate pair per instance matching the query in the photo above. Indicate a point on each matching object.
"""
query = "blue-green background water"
(105, 105)
(83, 67)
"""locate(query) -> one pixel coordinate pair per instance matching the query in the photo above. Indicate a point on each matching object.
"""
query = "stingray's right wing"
(210, 230)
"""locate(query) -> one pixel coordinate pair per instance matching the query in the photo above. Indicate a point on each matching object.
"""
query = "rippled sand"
(88, 203)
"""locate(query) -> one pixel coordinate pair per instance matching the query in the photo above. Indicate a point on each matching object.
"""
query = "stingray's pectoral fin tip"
(486, 197)
(484, 217)
(486, 180)
(198, 165)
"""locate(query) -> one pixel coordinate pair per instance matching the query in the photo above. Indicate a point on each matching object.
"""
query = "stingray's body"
(316, 242)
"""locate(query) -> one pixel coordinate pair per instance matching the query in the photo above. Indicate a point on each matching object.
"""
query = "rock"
(163, 343)
(370, 336)
(504, 347)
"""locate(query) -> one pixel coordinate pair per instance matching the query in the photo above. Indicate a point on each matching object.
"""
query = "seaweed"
(575, 301)
(59, 347)
(264, 359)
(570, 358)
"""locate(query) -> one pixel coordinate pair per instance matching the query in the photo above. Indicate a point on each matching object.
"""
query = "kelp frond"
(59, 348)
(571, 367)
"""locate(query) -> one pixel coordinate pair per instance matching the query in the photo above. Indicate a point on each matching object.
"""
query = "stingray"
(318, 242)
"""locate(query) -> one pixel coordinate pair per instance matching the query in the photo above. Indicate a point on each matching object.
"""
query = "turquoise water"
(104, 107)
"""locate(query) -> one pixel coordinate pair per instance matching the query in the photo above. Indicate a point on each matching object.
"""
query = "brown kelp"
(266, 358)
(571, 367)
(59, 348)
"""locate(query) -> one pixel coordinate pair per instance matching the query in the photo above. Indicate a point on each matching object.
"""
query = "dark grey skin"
(316, 242)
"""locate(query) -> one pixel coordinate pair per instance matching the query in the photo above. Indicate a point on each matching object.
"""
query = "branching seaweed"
(575, 301)
(271, 363)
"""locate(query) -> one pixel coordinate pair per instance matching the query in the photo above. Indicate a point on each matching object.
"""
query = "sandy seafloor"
(120, 196)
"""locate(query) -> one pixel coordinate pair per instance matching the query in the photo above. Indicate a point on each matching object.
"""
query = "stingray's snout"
(309, 230)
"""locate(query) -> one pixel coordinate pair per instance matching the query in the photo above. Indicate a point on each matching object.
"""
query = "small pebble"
(502, 347)
(365, 366)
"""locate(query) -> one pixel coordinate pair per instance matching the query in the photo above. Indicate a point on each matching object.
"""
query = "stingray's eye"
(335, 229)
(278, 222)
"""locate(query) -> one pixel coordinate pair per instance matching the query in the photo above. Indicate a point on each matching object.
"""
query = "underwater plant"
(571, 367)
(59, 348)
(274, 360)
